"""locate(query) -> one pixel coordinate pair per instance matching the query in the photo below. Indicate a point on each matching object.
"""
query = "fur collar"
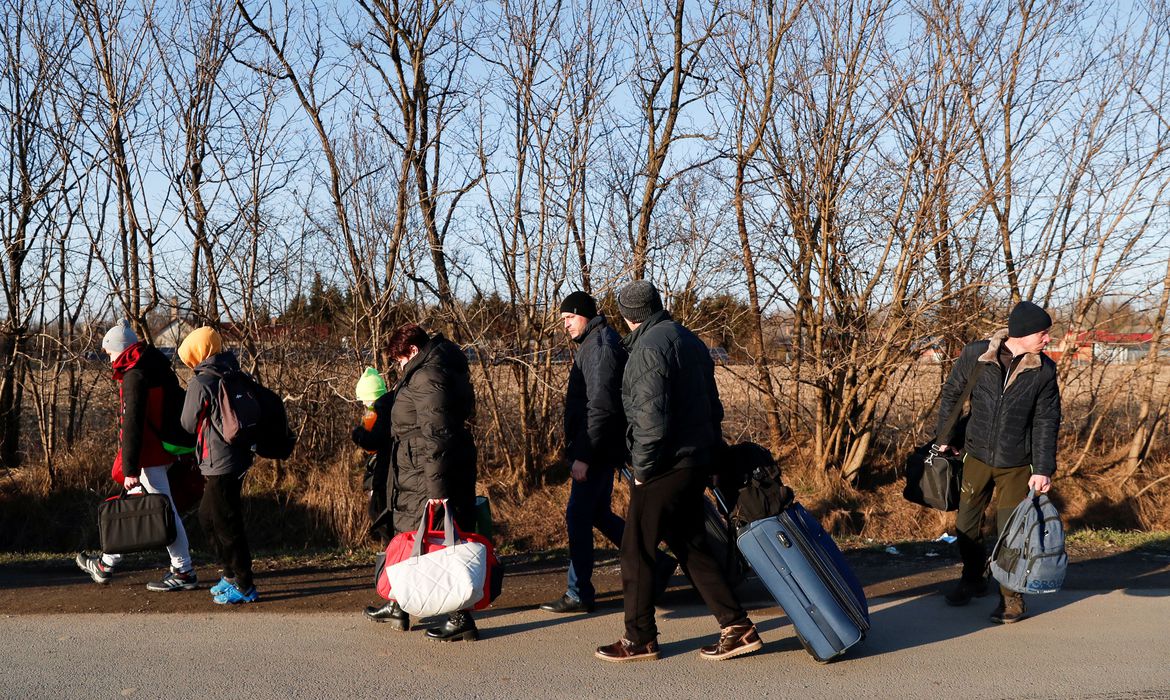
(1028, 362)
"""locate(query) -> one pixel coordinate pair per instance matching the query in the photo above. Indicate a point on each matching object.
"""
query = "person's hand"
(131, 482)
(1040, 483)
(578, 470)
(943, 449)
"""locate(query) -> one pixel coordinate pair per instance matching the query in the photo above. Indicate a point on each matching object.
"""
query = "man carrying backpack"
(1010, 440)
(146, 382)
(222, 463)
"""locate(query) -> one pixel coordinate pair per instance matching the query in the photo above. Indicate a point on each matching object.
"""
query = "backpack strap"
(956, 410)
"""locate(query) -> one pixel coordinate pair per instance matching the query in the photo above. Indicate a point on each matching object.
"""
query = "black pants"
(670, 508)
(222, 517)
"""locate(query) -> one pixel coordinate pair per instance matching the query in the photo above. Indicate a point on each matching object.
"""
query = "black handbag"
(136, 522)
(932, 478)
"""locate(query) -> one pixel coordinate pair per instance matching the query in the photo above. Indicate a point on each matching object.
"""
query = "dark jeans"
(1010, 486)
(222, 517)
(589, 507)
(670, 508)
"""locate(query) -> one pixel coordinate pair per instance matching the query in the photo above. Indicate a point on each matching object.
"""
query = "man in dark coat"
(1010, 440)
(434, 456)
(148, 417)
(595, 428)
(673, 414)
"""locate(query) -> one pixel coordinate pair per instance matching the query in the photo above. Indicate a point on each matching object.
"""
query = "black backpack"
(254, 416)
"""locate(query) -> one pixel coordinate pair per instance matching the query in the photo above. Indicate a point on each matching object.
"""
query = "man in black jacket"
(1010, 440)
(595, 428)
(673, 414)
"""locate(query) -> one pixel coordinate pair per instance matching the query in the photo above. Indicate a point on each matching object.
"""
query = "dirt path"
(328, 584)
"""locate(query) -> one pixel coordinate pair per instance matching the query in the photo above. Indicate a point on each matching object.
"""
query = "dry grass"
(315, 499)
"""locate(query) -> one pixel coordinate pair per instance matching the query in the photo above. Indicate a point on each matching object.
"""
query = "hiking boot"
(459, 625)
(221, 587)
(175, 581)
(234, 596)
(92, 565)
(1010, 609)
(965, 590)
(734, 640)
(390, 613)
(624, 650)
(567, 604)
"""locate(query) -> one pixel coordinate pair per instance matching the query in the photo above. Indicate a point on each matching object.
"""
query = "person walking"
(223, 465)
(595, 448)
(146, 380)
(674, 425)
(1010, 440)
(434, 455)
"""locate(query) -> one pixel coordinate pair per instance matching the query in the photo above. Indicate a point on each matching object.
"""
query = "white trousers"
(154, 480)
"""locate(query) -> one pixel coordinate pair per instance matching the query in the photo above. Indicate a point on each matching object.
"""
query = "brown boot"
(1010, 609)
(624, 650)
(734, 640)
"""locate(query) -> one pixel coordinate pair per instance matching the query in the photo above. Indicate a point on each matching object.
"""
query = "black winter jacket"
(670, 398)
(201, 415)
(595, 423)
(1014, 420)
(434, 452)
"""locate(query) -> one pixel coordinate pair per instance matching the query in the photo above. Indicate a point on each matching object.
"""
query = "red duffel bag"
(401, 548)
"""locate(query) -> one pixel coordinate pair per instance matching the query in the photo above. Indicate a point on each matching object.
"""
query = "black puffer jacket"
(670, 398)
(595, 423)
(1014, 420)
(434, 453)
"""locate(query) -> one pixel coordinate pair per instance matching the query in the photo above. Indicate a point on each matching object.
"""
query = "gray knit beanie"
(118, 338)
(638, 301)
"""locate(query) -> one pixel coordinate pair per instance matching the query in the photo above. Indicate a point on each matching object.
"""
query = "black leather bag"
(136, 522)
(933, 479)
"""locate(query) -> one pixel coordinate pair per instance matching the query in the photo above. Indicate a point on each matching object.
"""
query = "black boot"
(391, 613)
(459, 625)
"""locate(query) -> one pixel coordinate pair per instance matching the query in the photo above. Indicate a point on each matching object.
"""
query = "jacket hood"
(437, 350)
(219, 363)
(141, 355)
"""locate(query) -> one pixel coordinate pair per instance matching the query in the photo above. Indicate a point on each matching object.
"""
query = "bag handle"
(956, 410)
(424, 527)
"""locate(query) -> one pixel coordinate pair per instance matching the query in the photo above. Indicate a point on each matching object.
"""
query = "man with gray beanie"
(673, 414)
(1010, 439)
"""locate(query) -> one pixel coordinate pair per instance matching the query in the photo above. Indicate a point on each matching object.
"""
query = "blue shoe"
(233, 595)
(221, 587)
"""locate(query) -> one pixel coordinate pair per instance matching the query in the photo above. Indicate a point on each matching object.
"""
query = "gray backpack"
(1029, 556)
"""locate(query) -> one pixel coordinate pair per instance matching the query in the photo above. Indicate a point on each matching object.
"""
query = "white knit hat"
(118, 338)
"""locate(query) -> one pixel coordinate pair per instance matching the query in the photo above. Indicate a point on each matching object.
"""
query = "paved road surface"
(1097, 645)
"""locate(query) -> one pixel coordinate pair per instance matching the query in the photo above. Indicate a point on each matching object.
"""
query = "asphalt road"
(1078, 644)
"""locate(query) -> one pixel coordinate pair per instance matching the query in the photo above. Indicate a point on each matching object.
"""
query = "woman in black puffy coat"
(434, 455)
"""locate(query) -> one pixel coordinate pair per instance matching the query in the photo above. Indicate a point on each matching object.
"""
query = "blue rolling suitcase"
(806, 574)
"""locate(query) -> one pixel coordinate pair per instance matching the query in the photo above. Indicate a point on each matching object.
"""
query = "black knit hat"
(1027, 318)
(579, 303)
(638, 301)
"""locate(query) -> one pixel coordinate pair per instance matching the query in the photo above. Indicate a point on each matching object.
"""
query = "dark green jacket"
(672, 406)
(434, 453)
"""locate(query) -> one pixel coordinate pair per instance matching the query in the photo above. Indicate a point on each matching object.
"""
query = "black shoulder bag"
(932, 479)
